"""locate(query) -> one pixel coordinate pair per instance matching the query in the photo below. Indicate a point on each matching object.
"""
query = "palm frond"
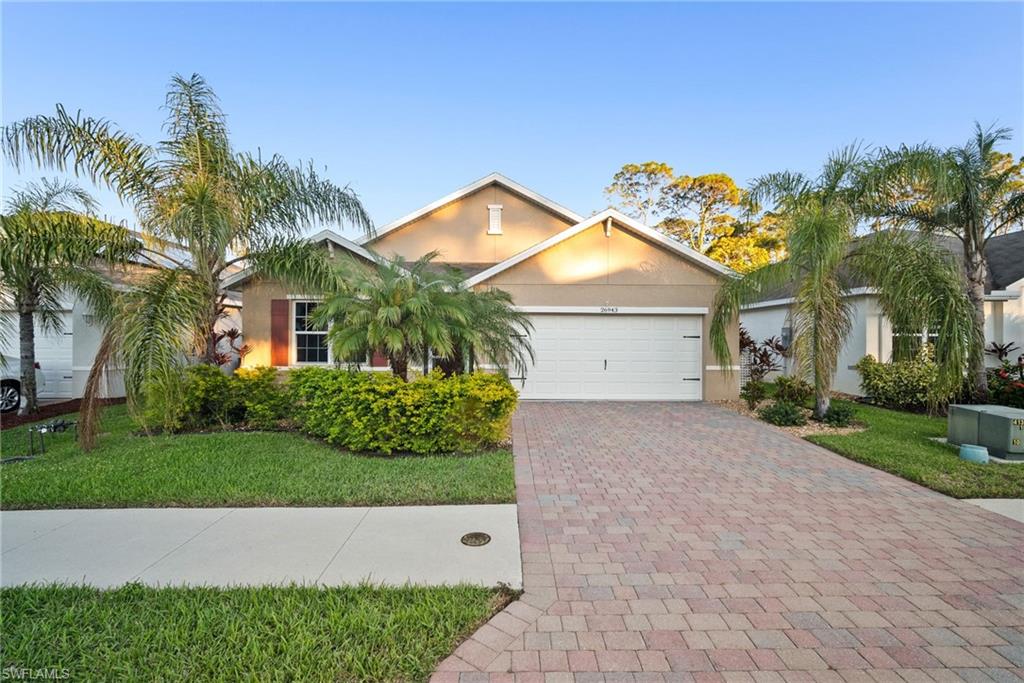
(734, 294)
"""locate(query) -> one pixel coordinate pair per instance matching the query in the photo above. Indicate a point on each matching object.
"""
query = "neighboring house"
(65, 357)
(620, 311)
(873, 334)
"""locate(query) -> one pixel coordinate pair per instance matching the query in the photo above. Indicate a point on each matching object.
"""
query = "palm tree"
(49, 247)
(400, 310)
(495, 332)
(971, 192)
(917, 282)
(204, 209)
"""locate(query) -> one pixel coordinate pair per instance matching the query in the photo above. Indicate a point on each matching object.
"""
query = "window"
(906, 343)
(310, 340)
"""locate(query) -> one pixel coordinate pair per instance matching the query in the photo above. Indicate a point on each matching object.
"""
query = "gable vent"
(494, 219)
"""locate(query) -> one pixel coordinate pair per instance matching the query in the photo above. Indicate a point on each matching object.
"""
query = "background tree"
(750, 243)
(918, 283)
(971, 192)
(50, 245)
(223, 208)
(636, 189)
(698, 209)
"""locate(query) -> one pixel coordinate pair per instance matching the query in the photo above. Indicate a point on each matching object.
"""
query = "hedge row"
(358, 411)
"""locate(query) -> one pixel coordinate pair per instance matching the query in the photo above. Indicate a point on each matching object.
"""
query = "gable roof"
(329, 236)
(491, 179)
(1002, 253)
(632, 225)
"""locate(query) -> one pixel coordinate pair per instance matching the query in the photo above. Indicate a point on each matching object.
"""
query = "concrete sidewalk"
(253, 546)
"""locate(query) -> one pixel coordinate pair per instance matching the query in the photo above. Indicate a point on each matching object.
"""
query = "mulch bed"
(9, 420)
(812, 426)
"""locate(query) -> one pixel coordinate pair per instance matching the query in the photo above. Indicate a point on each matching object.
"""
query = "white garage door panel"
(53, 353)
(615, 357)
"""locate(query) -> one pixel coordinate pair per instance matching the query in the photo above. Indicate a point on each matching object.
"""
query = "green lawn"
(237, 469)
(899, 443)
(265, 634)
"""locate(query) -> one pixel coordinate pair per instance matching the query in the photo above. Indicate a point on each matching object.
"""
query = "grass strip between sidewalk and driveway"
(902, 444)
(294, 633)
(243, 469)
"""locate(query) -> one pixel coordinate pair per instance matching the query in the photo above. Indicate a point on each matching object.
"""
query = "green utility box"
(1002, 433)
(998, 428)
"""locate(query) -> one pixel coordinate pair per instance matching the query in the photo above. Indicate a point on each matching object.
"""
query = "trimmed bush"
(264, 399)
(906, 384)
(381, 413)
(753, 392)
(793, 390)
(839, 414)
(783, 414)
(204, 396)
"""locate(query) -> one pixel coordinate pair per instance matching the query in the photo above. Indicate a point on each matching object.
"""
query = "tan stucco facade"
(256, 298)
(624, 271)
(459, 230)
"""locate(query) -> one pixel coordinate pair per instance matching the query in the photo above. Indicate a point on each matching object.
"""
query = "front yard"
(901, 443)
(270, 634)
(237, 469)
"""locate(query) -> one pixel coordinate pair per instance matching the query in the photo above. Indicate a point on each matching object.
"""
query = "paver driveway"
(681, 541)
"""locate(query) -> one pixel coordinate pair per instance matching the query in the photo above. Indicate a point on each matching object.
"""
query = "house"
(873, 334)
(619, 310)
(65, 355)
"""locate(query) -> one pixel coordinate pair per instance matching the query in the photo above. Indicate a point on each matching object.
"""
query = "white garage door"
(615, 356)
(53, 353)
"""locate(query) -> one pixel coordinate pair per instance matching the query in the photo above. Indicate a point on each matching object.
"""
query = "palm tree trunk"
(27, 338)
(974, 263)
(822, 400)
(399, 366)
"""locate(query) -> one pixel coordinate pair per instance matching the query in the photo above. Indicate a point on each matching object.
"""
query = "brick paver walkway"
(666, 542)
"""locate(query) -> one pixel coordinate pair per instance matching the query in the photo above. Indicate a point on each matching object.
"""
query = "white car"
(10, 383)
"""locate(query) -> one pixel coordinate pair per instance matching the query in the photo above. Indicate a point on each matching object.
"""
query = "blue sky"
(407, 102)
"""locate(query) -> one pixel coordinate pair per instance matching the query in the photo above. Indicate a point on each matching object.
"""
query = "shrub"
(839, 414)
(264, 400)
(204, 396)
(753, 392)
(1006, 385)
(793, 390)
(209, 398)
(783, 414)
(382, 413)
(906, 384)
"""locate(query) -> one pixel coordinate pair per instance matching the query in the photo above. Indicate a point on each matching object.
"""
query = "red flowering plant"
(1006, 383)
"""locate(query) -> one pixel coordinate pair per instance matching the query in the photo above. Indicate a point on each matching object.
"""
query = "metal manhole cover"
(476, 538)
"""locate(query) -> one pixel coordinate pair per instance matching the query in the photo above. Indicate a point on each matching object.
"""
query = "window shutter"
(279, 334)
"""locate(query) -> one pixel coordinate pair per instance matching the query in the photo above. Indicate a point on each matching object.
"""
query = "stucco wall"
(622, 270)
(459, 230)
(256, 298)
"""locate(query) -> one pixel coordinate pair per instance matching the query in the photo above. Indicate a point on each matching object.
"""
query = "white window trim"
(293, 338)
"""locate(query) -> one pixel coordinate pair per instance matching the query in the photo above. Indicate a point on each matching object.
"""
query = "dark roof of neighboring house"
(1004, 253)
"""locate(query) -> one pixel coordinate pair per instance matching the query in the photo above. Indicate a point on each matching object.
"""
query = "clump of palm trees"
(412, 311)
(50, 246)
(971, 192)
(203, 209)
(918, 283)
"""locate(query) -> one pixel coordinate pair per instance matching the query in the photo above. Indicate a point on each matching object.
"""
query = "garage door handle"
(605, 363)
